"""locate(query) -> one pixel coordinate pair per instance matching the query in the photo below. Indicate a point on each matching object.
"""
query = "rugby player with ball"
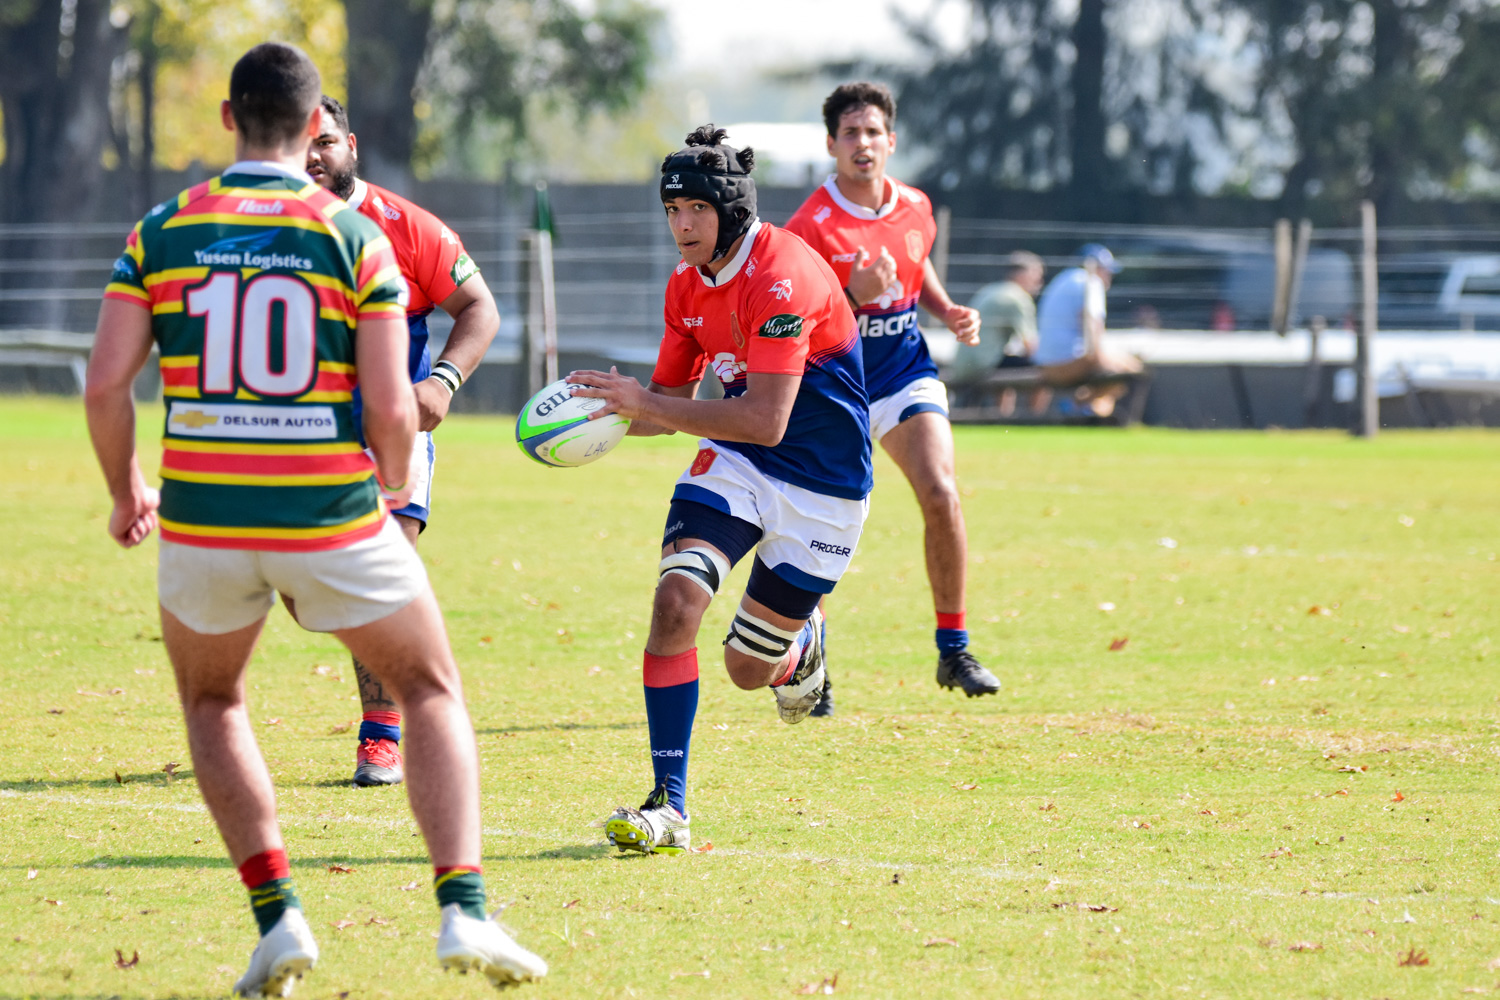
(783, 468)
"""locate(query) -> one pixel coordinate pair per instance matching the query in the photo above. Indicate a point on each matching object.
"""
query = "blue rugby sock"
(671, 703)
(380, 726)
(951, 635)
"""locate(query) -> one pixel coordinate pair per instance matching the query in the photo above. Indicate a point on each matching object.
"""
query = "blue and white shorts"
(421, 474)
(923, 395)
(808, 538)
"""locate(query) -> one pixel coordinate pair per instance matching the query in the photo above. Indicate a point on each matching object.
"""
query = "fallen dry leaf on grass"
(939, 942)
(571, 903)
(31, 873)
(119, 780)
(1415, 956)
(678, 975)
(966, 788)
(340, 727)
(1305, 946)
(53, 902)
(54, 711)
(170, 768)
(410, 887)
(589, 933)
(1090, 907)
(1281, 852)
(339, 925)
(122, 963)
(826, 987)
(1398, 797)
(704, 848)
(376, 922)
(1354, 768)
(1115, 645)
(341, 869)
(1316, 610)
(1047, 807)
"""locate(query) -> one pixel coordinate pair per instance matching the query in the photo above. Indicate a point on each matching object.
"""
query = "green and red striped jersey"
(255, 281)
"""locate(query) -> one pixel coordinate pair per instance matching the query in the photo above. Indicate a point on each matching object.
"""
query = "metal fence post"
(1367, 418)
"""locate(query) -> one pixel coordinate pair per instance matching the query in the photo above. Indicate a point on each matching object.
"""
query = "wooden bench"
(976, 399)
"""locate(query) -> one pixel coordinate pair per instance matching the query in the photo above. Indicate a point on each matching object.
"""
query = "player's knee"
(939, 498)
(678, 607)
(745, 672)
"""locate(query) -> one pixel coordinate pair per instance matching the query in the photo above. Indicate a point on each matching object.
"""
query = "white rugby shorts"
(214, 591)
(923, 395)
(808, 538)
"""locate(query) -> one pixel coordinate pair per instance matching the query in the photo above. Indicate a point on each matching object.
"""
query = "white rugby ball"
(554, 428)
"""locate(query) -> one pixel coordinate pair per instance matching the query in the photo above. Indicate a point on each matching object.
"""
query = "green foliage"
(494, 70)
(1210, 809)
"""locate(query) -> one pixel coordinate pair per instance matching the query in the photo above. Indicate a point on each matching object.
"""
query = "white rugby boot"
(285, 952)
(804, 690)
(465, 943)
(654, 828)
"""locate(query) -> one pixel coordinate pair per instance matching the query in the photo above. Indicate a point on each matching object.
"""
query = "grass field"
(1281, 784)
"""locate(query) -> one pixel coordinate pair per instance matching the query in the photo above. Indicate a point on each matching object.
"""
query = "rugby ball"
(554, 428)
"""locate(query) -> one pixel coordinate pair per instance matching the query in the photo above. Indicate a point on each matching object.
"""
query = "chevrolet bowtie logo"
(194, 419)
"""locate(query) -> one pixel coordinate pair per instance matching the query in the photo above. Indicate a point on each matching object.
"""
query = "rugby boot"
(280, 958)
(378, 763)
(960, 669)
(465, 943)
(798, 695)
(654, 828)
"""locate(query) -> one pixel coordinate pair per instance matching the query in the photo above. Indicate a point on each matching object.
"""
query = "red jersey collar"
(859, 211)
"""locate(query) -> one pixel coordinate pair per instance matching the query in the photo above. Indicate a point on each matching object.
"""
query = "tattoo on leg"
(371, 691)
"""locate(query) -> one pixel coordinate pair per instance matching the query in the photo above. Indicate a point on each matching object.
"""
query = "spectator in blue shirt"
(1070, 331)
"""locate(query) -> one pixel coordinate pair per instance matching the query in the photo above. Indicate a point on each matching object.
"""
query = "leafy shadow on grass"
(572, 852)
(107, 861)
(558, 727)
(150, 778)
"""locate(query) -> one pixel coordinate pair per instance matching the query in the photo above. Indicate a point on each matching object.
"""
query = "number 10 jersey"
(255, 281)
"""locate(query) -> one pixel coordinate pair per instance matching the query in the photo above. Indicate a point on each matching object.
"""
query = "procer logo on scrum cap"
(675, 181)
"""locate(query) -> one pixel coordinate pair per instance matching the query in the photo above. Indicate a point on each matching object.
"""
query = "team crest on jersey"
(726, 367)
(682, 265)
(822, 214)
(783, 327)
(914, 246)
(782, 289)
(703, 462)
(750, 266)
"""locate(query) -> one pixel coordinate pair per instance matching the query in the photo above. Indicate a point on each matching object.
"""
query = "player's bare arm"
(390, 407)
(122, 343)
(869, 278)
(961, 320)
(476, 320)
(757, 417)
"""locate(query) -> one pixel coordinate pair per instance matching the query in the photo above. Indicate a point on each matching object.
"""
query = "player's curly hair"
(850, 96)
(712, 156)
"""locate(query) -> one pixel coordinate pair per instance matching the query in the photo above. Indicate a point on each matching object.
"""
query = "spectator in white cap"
(1070, 332)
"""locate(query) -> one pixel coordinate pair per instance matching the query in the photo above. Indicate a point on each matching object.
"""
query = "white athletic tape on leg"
(704, 567)
(759, 638)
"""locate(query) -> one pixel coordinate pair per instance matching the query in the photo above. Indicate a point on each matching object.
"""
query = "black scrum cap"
(709, 170)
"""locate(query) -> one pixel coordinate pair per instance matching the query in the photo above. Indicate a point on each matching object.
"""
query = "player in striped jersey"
(269, 300)
(877, 233)
(438, 273)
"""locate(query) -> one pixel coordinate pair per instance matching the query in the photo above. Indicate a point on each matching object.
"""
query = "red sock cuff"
(954, 620)
(439, 872)
(384, 718)
(264, 867)
(670, 671)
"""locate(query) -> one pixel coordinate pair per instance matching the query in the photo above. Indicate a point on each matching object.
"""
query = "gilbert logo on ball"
(554, 428)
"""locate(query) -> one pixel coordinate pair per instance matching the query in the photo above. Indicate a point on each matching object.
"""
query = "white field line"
(1003, 874)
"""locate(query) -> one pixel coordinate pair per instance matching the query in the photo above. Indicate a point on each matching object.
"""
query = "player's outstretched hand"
(621, 393)
(869, 280)
(964, 322)
(134, 518)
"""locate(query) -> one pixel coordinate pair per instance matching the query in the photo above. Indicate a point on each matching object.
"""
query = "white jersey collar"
(733, 267)
(267, 168)
(357, 196)
(859, 211)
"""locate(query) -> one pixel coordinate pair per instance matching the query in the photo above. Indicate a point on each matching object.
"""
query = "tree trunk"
(1390, 60)
(387, 40)
(1090, 174)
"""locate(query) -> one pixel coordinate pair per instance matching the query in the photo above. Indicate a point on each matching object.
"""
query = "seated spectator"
(1070, 332)
(1007, 317)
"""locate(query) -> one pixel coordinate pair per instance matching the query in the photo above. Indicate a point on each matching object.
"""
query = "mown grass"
(1293, 747)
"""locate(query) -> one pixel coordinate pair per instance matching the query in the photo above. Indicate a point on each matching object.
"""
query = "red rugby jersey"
(792, 319)
(894, 352)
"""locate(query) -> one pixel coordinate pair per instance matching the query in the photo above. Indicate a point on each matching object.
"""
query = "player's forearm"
(743, 418)
(934, 297)
(111, 421)
(474, 328)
